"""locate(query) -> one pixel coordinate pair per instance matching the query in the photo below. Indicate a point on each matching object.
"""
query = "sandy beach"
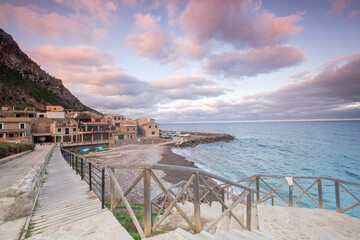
(141, 154)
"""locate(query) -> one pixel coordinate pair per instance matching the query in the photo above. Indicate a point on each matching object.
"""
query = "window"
(114, 118)
(118, 118)
(1, 135)
(18, 115)
(74, 129)
(21, 134)
(59, 129)
(127, 129)
(41, 115)
(54, 109)
(133, 129)
(153, 133)
(155, 126)
(120, 137)
(31, 115)
(66, 130)
(128, 135)
(149, 126)
(1, 125)
(22, 125)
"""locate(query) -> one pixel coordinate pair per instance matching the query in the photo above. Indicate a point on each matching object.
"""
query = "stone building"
(65, 131)
(95, 131)
(129, 129)
(15, 129)
(148, 127)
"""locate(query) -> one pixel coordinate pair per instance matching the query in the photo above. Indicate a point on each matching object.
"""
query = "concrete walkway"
(12, 172)
(66, 209)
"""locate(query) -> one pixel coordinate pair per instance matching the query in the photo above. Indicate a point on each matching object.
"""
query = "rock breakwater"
(202, 138)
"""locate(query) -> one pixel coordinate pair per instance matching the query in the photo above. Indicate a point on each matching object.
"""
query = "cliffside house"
(148, 127)
(15, 129)
(65, 131)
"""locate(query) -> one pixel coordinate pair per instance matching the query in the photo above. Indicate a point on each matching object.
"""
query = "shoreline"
(171, 158)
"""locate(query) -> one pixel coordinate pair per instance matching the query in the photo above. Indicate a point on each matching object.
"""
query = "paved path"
(305, 223)
(66, 209)
(12, 172)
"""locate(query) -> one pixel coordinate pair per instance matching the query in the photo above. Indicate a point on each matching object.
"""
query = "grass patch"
(46, 172)
(125, 220)
(28, 231)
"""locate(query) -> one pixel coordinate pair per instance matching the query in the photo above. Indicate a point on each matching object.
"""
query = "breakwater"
(197, 138)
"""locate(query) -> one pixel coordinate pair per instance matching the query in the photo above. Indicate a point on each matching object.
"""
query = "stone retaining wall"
(21, 198)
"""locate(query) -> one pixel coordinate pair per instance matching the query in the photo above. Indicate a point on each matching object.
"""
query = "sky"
(198, 60)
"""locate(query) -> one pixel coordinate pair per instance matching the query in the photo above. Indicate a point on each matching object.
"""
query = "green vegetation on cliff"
(13, 82)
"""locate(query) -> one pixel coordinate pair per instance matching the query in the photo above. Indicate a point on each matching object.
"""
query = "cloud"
(236, 22)
(90, 74)
(148, 39)
(98, 9)
(339, 5)
(177, 82)
(332, 93)
(35, 21)
(74, 55)
(353, 15)
(253, 61)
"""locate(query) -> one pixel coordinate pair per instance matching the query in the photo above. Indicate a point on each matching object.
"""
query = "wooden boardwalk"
(66, 206)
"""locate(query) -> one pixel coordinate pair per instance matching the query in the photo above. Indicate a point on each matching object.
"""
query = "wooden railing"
(193, 188)
(269, 186)
(90, 172)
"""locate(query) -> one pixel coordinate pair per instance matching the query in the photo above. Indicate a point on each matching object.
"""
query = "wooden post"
(291, 195)
(257, 190)
(222, 192)
(196, 192)
(248, 211)
(272, 201)
(147, 203)
(320, 193)
(337, 195)
(210, 198)
(112, 191)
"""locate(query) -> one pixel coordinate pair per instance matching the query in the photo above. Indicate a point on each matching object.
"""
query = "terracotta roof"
(12, 119)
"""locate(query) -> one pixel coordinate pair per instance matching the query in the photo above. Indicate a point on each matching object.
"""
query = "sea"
(325, 149)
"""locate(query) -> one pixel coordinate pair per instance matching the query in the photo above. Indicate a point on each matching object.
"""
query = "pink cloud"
(253, 61)
(339, 5)
(50, 24)
(148, 39)
(353, 14)
(72, 56)
(236, 22)
(177, 82)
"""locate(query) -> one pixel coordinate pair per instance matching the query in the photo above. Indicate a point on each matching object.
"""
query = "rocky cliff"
(24, 83)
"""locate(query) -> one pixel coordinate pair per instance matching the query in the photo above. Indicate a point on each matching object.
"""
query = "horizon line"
(278, 120)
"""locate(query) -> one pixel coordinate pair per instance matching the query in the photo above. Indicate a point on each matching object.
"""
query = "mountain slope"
(24, 83)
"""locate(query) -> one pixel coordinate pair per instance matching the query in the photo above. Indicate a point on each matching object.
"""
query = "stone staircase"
(268, 222)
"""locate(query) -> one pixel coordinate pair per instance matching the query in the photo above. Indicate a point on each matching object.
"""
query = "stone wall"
(21, 198)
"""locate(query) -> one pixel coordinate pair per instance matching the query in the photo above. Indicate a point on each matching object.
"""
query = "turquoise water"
(329, 149)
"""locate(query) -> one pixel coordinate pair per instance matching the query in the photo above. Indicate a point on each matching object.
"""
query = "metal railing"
(194, 189)
(289, 186)
(93, 174)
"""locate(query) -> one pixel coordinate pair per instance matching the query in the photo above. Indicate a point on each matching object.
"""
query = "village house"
(15, 129)
(65, 131)
(129, 129)
(148, 127)
(115, 119)
(95, 131)
(28, 112)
